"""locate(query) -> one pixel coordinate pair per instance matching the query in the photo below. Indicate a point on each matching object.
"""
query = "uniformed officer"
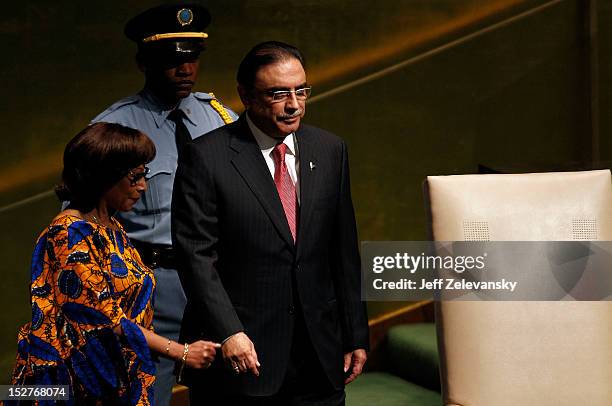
(170, 39)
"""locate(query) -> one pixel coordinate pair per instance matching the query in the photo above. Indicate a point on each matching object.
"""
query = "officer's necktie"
(181, 134)
(285, 187)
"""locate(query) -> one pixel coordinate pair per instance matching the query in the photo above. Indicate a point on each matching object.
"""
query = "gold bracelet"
(183, 360)
(185, 351)
(168, 348)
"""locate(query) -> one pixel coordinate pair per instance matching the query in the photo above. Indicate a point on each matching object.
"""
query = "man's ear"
(245, 96)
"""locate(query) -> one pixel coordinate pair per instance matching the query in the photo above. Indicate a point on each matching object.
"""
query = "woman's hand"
(201, 354)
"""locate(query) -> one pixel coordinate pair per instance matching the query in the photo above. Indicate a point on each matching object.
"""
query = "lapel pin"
(312, 166)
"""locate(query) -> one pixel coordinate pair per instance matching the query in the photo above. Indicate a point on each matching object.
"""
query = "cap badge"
(184, 16)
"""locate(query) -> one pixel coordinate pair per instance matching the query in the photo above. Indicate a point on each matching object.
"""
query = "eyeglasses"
(135, 177)
(280, 95)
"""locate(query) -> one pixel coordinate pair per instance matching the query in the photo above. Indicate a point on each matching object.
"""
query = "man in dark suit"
(265, 228)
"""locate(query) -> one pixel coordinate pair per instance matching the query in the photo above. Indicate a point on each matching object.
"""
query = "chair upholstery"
(524, 353)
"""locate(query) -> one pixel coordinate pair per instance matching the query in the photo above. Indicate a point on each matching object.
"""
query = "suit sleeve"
(348, 267)
(195, 237)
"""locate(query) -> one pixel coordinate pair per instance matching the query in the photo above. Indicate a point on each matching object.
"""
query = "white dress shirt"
(267, 144)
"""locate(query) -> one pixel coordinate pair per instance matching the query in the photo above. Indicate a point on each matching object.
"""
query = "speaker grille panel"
(584, 229)
(476, 231)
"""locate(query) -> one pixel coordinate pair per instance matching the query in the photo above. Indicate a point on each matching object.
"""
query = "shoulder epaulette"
(203, 96)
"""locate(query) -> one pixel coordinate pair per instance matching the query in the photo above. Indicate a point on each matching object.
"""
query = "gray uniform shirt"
(149, 220)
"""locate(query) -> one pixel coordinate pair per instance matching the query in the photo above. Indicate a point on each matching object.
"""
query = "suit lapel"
(308, 181)
(251, 165)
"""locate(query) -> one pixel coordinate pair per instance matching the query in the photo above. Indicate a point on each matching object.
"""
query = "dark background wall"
(502, 84)
(604, 80)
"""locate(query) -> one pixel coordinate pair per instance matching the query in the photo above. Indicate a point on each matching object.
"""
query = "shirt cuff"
(227, 338)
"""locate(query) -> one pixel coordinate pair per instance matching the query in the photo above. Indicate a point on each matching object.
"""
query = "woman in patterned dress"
(91, 294)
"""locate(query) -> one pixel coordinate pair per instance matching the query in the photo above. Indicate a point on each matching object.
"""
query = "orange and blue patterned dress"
(86, 280)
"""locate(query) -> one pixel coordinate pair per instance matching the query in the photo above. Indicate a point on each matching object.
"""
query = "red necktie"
(285, 187)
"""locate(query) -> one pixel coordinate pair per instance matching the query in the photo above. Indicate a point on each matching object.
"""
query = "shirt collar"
(189, 105)
(267, 143)
(160, 112)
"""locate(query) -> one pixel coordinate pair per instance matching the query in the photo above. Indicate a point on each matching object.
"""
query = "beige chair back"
(524, 353)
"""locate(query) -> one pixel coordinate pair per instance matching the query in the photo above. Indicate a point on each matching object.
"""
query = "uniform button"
(291, 309)
(297, 268)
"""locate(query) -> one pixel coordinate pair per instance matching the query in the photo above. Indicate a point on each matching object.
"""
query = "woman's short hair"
(266, 53)
(97, 158)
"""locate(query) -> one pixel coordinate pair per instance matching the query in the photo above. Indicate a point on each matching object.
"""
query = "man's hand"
(239, 354)
(354, 361)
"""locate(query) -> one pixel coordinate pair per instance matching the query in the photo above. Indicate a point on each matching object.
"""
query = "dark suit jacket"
(238, 257)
